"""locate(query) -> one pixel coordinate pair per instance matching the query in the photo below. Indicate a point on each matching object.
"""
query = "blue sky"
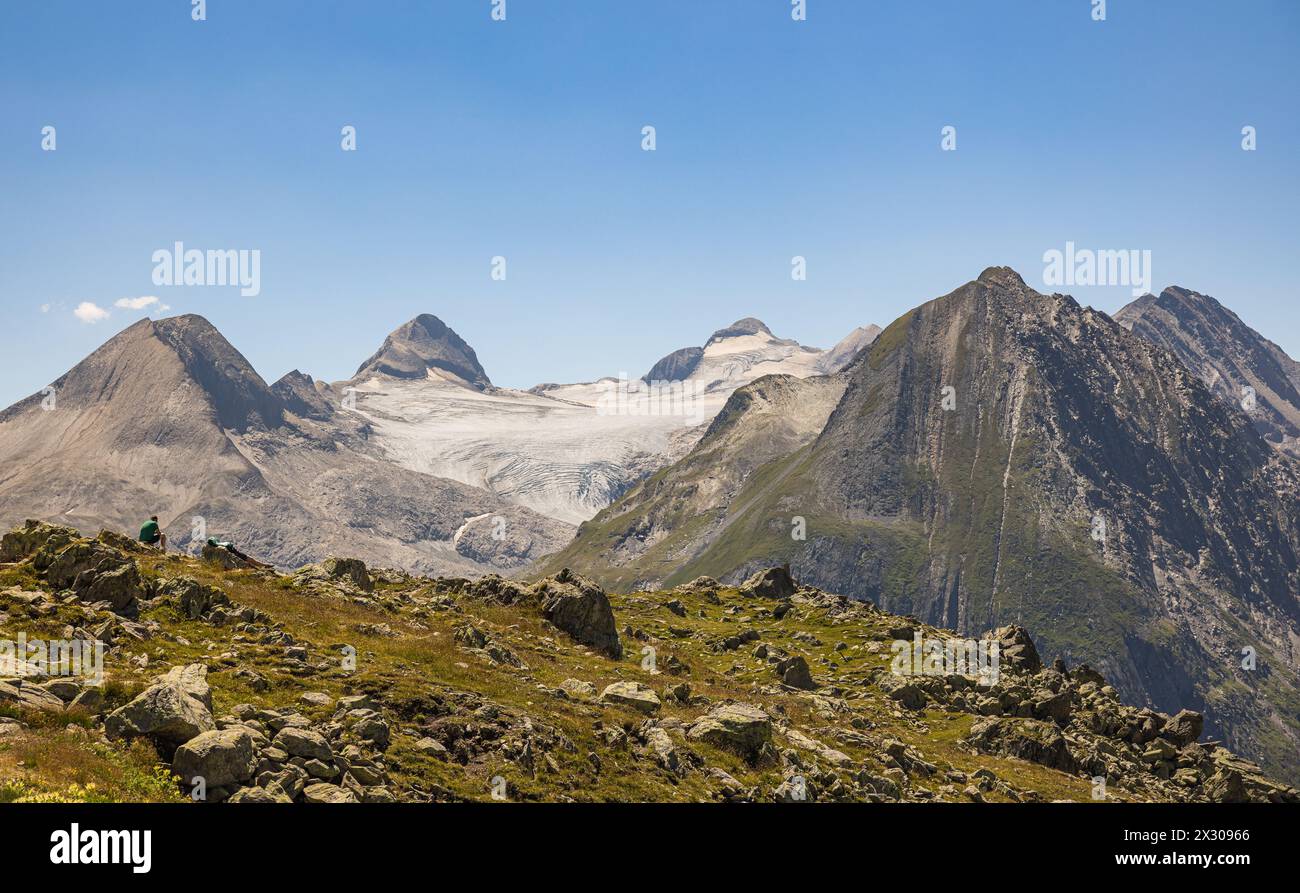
(522, 139)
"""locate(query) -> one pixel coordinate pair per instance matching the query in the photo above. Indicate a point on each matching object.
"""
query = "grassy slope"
(421, 670)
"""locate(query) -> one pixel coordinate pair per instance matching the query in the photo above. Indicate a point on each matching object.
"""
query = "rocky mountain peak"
(1235, 362)
(423, 344)
(181, 357)
(238, 394)
(1002, 276)
(747, 326)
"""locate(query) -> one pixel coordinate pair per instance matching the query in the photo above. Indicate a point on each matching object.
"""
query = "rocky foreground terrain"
(342, 684)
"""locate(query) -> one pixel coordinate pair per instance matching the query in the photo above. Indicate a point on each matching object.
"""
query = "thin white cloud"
(89, 312)
(135, 303)
(45, 308)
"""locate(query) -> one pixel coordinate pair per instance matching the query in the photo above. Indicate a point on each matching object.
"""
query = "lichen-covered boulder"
(742, 728)
(176, 708)
(580, 608)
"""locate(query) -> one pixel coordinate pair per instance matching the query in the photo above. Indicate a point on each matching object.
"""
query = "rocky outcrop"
(774, 582)
(743, 728)
(25, 541)
(1228, 356)
(176, 708)
(1016, 650)
(1028, 739)
(580, 608)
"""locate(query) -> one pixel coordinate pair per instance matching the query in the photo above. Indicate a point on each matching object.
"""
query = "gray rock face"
(176, 708)
(581, 609)
(848, 349)
(1214, 344)
(304, 397)
(220, 758)
(422, 344)
(677, 366)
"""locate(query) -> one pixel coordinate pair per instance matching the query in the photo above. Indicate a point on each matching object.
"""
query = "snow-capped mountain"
(565, 451)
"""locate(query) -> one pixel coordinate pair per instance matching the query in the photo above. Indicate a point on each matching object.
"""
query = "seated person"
(150, 533)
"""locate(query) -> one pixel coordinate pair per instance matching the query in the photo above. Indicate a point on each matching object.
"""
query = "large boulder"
(742, 728)
(27, 695)
(580, 608)
(23, 542)
(1184, 728)
(192, 597)
(775, 582)
(63, 565)
(221, 758)
(118, 584)
(632, 694)
(795, 673)
(351, 569)
(304, 743)
(176, 708)
(94, 571)
(1029, 739)
(1016, 651)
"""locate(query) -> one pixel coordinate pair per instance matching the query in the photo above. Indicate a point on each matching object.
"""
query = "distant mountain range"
(1002, 456)
(418, 461)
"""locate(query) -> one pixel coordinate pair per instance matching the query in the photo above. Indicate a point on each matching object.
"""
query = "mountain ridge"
(168, 418)
(1213, 342)
(981, 507)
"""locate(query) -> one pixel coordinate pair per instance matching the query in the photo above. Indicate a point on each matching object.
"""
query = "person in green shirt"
(150, 533)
